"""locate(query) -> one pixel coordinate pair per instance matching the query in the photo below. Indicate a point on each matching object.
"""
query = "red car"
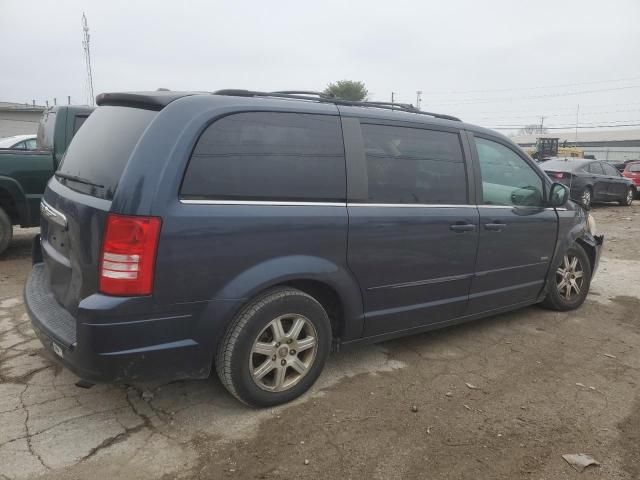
(632, 172)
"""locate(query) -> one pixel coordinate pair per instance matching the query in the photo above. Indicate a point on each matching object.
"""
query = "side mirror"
(558, 195)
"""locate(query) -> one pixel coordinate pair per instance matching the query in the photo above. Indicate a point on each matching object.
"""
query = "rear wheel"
(628, 199)
(6, 231)
(568, 283)
(275, 349)
(586, 197)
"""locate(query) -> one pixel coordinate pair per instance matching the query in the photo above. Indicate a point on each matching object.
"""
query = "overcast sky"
(491, 62)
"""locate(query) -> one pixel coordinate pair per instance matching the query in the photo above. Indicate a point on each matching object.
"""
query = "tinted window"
(506, 178)
(77, 123)
(609, 170)
(635, 167)
(101, 149)
(595, 168)
(412, 165)
(268, 156)
(46, 130)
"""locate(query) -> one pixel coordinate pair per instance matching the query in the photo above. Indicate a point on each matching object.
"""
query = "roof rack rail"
(327, 98)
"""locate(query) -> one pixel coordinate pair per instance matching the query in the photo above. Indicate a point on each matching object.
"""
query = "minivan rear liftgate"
(90, 294)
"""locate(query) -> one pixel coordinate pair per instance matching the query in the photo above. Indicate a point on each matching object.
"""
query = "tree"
(532, 128)
(348, 90)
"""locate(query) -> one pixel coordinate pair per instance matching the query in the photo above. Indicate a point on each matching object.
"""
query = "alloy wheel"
(569, 277)
(630, 196)
(283, 352)
(586, 197)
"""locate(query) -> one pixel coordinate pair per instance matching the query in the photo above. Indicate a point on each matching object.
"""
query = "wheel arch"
(13, 200)
(332, 284)
(590, 250)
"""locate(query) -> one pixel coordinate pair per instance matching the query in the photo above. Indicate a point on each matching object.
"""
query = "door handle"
(495, 226)
(462, 227)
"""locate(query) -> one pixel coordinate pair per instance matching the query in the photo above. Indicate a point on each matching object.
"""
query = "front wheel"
(628, 198)
(6, 231)
(568, 283)
(275, 349)
(586, 197)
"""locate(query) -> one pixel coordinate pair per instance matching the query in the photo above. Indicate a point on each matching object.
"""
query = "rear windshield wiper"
(74, 178)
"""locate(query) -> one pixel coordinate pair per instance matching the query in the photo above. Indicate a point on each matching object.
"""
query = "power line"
(568, 108)
(565, 127)
(534, 97)
(549, 115)
(535, 88)
(614, 122)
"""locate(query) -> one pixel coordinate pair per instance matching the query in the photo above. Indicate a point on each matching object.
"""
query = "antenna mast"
(87, 59)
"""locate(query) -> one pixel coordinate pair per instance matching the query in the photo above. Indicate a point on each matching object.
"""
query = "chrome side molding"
(53, 215)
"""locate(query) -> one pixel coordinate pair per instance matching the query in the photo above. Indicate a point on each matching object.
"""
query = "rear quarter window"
(270, 156)
(101, 149)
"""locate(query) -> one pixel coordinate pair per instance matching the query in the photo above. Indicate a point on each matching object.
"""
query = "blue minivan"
(255, 232)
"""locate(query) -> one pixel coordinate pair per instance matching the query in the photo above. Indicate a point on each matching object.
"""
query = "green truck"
(24, 173)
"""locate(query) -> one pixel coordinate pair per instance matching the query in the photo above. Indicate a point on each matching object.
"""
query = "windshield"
(101, 149)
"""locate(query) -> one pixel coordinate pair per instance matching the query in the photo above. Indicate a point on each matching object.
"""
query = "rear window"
(46, 130)
(99, 152)
(269, 156)
(635, 167)
(78, 122)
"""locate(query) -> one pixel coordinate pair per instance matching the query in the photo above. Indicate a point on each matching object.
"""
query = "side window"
(506, 178)
(635, 167)
(19, 146)
(268, 156)
(413, 165)
(77, 123)
(30, 144)
(609, 170)
(595, 168)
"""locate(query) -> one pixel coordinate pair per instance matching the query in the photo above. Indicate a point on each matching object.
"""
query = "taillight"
(128, 257)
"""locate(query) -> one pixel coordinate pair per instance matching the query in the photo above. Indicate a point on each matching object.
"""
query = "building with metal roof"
(19, 118)
(612, 145)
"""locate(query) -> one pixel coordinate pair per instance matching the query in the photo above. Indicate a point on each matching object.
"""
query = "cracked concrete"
(547, 383)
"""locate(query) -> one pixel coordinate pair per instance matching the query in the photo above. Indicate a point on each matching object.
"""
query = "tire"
(6, 231)
(556, 298)
(586, 197)
(628, 199)
(251, 355)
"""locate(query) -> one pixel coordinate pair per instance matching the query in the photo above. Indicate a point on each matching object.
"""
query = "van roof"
(157, 100)
(161, 98)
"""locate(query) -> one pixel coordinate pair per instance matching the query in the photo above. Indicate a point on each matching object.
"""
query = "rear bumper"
(114, 339)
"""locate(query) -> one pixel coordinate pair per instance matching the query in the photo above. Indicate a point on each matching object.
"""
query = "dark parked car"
(591, 181)
(253, 232)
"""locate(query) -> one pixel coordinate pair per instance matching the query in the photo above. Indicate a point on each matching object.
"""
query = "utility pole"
(393, 99)
(87, 58)
(418, 99)
(541, 124)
